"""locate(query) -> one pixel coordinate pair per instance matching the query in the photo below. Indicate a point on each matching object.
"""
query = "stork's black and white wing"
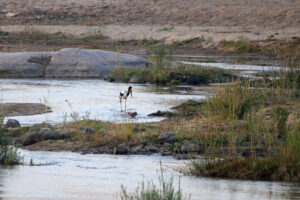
(123, 94)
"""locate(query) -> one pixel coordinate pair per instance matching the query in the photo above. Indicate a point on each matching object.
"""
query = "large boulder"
(16, 65)
(42, 134)
(66, 63)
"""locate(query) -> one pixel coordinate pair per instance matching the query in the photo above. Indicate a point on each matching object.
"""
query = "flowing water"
(95, 99)
(67, 175)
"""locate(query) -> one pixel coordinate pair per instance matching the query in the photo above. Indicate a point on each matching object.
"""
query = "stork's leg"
(121, 104)
(125, 105)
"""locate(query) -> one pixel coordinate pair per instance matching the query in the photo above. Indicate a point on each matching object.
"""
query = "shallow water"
(66, 175)
(242, 67)
(96, 99)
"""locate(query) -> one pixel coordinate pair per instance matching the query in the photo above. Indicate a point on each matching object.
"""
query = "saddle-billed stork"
(124, 95)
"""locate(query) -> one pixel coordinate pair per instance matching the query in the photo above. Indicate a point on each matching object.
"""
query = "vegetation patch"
(149, 191)
(241, 45)
(272, 169)
(184, 74)
(8, 154)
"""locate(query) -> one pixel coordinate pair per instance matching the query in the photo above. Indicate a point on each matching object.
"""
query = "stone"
(16, 65)
(84, 63)
(42, 60)
(42, 134)
(138, 149)
(151, 148)
(162, 114)
(122, 149)
(87, 130)
(189, 148)
(37, 127)
(12, 123)
(66, 63)
(167, 137)
(182, 156)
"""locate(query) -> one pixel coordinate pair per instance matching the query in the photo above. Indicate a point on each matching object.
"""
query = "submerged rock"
(66, 63)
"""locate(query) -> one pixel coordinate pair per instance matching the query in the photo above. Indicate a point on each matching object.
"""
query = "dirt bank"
(242, 13)
(167, 34)
(22, 109)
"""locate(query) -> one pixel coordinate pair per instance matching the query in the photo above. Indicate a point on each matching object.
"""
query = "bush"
(8, 154)
(241, 45)
(149, 191)
(232, 102)
(280, 116)
(171, 75)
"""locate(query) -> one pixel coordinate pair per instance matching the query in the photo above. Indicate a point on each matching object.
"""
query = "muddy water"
(95, 99)
(66, 175)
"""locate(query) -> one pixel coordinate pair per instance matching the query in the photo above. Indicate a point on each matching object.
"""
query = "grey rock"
(66, 63)
(167, 137)
(151, 148)
(83, 63)
(37, 127)
(42, 60)
(166, 153)
(122, 149)
(162, 114)
(32, 137)
(16, 65)
(12, 123)
(182, 156)
(189, 148)
(87, 130)
(139, 149)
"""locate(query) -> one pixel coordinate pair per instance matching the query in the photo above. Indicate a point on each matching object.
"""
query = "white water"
(96, 98)
(66, 175)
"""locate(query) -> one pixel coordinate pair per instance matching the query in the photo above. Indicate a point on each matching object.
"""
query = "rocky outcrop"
(42, 134)
(66, 63)
(16, 65)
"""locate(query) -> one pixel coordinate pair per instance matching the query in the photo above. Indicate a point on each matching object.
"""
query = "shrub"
(241, 45)
(232, 102)
(149, 191)
(8, 154)
(280, 116)
(171, 75)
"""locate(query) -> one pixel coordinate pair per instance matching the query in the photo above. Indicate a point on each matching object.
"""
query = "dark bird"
(132, 114)
(124, 95)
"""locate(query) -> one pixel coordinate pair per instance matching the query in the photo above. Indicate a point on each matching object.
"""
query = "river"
(95, 99)
(67, 175)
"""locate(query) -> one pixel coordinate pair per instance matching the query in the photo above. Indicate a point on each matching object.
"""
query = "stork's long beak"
(131, 93)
